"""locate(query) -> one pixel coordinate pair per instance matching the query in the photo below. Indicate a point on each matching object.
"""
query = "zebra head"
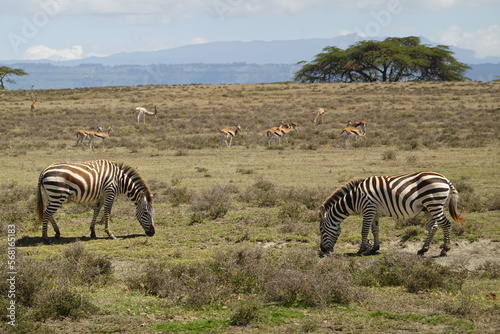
(330, 230)
(144, 214)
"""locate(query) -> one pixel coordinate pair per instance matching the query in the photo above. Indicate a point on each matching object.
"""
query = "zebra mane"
(138, 180)
(340, 192)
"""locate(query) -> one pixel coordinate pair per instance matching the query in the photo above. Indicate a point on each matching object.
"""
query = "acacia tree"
(6, 71)
(394, 59)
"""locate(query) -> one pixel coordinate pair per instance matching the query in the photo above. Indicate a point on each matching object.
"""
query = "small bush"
(178, 195)
(411, 271)
(489, 269)
(262, 193)
(62, 302)
(212, 203)
(245, 311)
(389, 155)
(87, 268)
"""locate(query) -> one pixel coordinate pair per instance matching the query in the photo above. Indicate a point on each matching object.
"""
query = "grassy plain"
(268, 199)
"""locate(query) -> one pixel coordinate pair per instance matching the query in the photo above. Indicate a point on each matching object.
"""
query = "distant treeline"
(48, 76)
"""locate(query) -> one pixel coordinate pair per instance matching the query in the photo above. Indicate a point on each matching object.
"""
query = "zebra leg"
(108, 203)
(431, 230)
(55, 227)
(445, 225)
(367, 223)
(48, 215)
(97, 209)
(376, 239)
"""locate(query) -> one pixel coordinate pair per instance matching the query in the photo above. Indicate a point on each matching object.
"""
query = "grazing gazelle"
(229, 134)
(142, 112)
(359, 125)
(351, 131)
(100, 135)
(318, 119)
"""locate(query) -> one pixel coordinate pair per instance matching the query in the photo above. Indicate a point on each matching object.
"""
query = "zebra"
(96, 181)
(400, 196)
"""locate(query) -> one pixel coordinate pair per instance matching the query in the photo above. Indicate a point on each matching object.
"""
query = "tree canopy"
(6, 71)
(393, 59)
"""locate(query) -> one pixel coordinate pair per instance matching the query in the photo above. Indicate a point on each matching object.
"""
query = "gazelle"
(81, 135)
(318, 119)
(142, 112)
(291, 125)
(279, 132)
(351, 131)
(229, 134)
(359, 125)
(100, 135)
(33, 101)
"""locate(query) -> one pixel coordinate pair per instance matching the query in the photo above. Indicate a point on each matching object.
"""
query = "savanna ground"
(236, 248)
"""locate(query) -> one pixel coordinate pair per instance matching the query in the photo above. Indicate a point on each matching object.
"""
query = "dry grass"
(237, 230)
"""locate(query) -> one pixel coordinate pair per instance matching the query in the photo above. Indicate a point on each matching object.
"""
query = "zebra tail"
(39, 203)
(453, 205)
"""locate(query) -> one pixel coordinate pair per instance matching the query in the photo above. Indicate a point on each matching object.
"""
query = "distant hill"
(212, 63)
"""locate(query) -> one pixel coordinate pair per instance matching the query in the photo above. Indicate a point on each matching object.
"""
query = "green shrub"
(489, 269)
(86, 267)
(262, 193)
(389, 155)
(245, 311)
(62, 302)
(212, 203)
(410, 271)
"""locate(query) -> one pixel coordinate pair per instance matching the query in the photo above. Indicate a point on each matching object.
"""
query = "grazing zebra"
(96, 181)
(399, 196)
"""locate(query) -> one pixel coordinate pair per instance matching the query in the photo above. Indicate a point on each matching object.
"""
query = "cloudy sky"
(72, 29)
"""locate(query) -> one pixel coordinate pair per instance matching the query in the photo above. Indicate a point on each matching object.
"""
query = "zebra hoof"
(93, 236)
(443, 253)
(422, 251)
(58, 235)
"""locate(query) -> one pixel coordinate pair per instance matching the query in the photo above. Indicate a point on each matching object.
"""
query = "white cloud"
(44, 52)
(199, 40)
(484, 42)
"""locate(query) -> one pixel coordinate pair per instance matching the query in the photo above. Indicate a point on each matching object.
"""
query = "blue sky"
(72, 29)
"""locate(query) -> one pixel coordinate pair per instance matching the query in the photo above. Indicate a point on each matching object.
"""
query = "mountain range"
(254, 53)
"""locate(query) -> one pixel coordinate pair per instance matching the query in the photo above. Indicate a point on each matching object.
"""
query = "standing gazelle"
(33, 101)
(142, 112)
(358, 125)
(229, 134)
(81, 135)
(100, 135)
(278, 132)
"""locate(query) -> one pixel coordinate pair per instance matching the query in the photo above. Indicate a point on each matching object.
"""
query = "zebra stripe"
(96, 181)
(399, 196)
